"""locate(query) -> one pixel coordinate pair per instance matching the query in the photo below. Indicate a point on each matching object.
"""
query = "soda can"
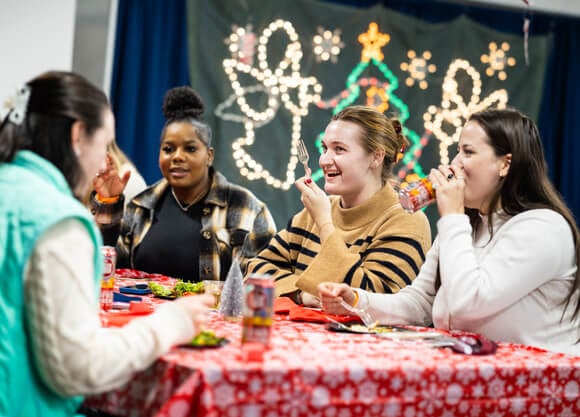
(417, 195)
(108, 278)
(258, 310)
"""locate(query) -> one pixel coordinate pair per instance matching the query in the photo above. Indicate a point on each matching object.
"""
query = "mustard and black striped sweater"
(376, 246)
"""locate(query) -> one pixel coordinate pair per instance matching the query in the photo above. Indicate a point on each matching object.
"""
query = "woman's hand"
(197, 307)
(331, 294)
(108, 183)
(309, 300)
(449, 182)
(315, 201)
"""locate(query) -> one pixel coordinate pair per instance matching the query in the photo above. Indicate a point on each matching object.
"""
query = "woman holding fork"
(360, 235)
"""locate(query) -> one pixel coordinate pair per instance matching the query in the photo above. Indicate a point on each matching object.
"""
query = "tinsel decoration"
(232, 298)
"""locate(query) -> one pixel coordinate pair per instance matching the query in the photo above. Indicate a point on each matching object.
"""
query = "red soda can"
(108, 279)
(258, 310)
(417, 195)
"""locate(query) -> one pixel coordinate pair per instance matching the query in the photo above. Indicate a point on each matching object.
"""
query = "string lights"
(418, 68)
(378, 94)
(262, 89)
(446, 122)
(498, 60)
(283, 85)
(373, 41)
(327, 45)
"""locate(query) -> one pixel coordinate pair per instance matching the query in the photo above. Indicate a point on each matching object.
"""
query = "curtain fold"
(559, 119)
(151, 56)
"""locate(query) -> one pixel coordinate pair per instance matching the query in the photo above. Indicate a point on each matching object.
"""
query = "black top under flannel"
(229, 214)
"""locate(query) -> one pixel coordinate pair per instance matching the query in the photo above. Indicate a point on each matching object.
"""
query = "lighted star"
(378, 97)
(498, 60)
(372, 42)
(418, 68)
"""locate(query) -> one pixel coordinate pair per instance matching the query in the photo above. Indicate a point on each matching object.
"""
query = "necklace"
(195, 200)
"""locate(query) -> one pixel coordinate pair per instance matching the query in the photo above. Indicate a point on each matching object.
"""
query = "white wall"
(38, 35)
(94, 40)
(35, 36)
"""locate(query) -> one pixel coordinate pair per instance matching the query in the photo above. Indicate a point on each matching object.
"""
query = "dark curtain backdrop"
(152, 55)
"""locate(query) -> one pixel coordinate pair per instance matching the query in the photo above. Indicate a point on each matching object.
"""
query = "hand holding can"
(416, 195)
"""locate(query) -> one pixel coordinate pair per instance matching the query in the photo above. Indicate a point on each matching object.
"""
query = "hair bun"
(397, 126)
(182, 102)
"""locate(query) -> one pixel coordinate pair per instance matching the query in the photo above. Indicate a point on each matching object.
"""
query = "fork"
(338, 323)
(303, 156)
(364, 315)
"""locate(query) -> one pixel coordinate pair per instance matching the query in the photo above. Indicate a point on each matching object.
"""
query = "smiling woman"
(360, 235)
(193, 222)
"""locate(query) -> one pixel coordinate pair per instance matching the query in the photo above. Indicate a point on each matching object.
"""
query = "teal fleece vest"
(34, 196)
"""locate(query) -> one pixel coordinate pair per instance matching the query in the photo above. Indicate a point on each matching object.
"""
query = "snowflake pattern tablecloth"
(311, 371)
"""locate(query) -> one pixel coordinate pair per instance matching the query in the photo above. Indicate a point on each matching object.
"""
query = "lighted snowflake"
(498, 60)
(327, 44)
(418, 68)
(242, 44)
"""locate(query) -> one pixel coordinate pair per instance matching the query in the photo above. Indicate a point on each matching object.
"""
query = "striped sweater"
(376, 246)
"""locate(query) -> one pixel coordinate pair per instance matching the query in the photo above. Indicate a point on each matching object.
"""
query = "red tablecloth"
(310, 371)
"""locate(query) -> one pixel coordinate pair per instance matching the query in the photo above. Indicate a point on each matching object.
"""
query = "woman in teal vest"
(53, 349)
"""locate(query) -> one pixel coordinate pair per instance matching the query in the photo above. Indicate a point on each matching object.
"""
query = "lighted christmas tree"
(379, 94)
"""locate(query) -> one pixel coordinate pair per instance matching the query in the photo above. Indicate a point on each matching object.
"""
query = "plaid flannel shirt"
(230, 213)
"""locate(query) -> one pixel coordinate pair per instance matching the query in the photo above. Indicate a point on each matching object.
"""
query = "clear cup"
(214, 288)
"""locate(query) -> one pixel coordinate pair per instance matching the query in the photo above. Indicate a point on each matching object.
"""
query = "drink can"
(108, 278)
(417, 195)
(258, 310)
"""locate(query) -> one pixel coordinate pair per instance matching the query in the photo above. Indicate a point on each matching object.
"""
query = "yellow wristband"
(106, 200)
(356, 298)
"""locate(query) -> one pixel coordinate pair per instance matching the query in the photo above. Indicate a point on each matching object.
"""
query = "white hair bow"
(19, 105)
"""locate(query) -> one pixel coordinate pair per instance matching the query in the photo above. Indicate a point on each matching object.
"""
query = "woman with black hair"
(193, 222)
(53, 348)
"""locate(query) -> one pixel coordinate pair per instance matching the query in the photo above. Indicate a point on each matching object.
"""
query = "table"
(310, 371)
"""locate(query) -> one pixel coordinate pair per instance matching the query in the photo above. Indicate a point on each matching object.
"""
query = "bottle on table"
(108, 279)
(258, 310)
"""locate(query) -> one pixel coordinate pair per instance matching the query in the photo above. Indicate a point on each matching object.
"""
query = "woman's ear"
(76, 133)
(210, 156)
(378, 158)
(505, 165)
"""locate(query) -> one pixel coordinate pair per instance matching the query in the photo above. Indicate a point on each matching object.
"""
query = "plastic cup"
(214, 288)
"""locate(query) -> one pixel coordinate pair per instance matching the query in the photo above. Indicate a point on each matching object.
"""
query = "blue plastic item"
(139, 289)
